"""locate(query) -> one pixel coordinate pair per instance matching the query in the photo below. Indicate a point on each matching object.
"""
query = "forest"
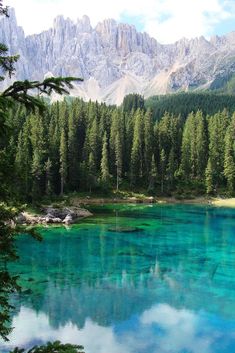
(75, 146)
(184, 103)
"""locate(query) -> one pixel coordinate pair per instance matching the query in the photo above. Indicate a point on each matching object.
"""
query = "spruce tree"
(148, 143)
(104, 166)
(63, 162)
(73, 148)
(118, 160)
(23, 163)
(217, 129)
(49, 184)
(152, 175)
(209, 181)
(91, 172)
(137, 150)
(229, 156)
(163, 163)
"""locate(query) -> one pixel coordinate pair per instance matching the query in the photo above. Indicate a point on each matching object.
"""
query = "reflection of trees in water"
(90, 272)
(106, 277)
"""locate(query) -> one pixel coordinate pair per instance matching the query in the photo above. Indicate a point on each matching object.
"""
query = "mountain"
(114, 59)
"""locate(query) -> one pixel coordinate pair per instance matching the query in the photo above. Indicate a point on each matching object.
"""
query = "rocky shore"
(52, 215)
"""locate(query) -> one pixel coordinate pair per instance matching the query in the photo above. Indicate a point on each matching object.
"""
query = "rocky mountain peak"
(84, 24)
(115, 59)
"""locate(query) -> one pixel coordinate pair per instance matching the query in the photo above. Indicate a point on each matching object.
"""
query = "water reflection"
(160, 329)
(105, 289)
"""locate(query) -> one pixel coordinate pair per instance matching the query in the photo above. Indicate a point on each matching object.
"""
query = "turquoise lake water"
(167, 286)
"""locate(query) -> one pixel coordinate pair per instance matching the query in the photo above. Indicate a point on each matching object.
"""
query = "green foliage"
(63, 161)
(185, 103)
(132, 102)
(137, 149)
(229, 156)
(104, 167)
(87, 146)
(55, 347)
(209, 181)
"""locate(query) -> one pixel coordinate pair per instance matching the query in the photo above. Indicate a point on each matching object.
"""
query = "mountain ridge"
(115, 59)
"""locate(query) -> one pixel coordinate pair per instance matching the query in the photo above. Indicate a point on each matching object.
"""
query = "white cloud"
(166, 20)
(180, 332)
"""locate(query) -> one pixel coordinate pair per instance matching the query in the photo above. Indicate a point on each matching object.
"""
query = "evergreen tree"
(49, 185)
(38, 155)
(118, 159)
(163, 164)
(186, 149)
(23, 163)
(229, 158)
(148, 143)
(63, 162)
(209, 178)
(152, 176)
(217, 129)
(132, 102)
(137, 150)
(104, 167)
(91, 171)
(73, 148)
(171, 168)
(201, 145)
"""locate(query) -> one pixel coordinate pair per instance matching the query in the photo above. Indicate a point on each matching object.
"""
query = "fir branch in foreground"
(19, 90)
(7, 62)
(55, 347)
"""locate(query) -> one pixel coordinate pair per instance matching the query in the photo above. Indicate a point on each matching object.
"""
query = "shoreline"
(201, 200)
(78, 208)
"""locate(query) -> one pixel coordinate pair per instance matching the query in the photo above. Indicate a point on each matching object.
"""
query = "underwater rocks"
(52, 215)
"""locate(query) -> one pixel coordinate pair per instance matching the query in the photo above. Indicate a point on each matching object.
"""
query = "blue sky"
(165, 20)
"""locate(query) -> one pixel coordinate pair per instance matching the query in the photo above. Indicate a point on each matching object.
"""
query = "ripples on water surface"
(167, 286)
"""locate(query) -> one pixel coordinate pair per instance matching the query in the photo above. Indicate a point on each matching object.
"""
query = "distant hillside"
(185, 103)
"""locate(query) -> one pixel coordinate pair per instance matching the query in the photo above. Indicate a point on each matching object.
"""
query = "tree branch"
(18, 91)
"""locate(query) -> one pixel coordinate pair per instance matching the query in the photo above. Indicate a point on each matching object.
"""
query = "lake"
(131, 279)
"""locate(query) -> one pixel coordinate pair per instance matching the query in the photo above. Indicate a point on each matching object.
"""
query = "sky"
(165, 20)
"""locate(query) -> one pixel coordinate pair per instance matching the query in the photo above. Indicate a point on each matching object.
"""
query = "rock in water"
(66, 215)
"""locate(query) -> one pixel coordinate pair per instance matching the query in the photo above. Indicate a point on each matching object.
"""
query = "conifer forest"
(75, 146)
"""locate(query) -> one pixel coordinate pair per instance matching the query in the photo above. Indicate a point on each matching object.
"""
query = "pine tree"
(118, 160)
(209, 178)
(63, 162)
(49, 185)
(38, 142)
(171, 168)
(91, 171)
(201, 145)
(217, 129)
(152, 175)
(163, 164)
(104, 167)
(229, 158)
(137, 150)
(186, 149)
(73, 148)
(23, 163)
(148, 143)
